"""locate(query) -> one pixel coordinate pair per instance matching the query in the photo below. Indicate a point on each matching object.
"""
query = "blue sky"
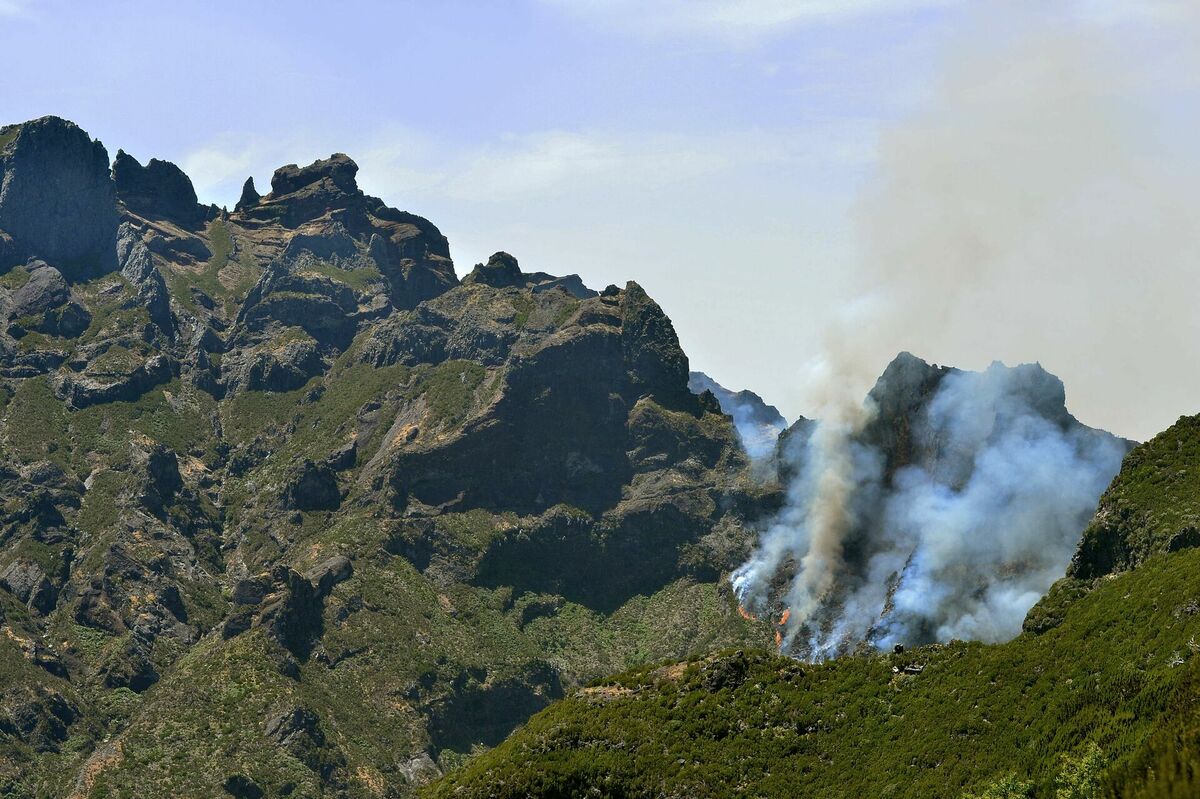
(723, 153)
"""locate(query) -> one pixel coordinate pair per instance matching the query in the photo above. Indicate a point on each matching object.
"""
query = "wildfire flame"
(745, 614)
(778, 640)
(787, 613)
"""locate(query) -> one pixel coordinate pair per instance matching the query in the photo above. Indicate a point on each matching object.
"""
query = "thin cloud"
(544, 164)
(734, 19)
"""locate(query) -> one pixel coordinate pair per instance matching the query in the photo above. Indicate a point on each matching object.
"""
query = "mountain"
(758, 424)
(289, 509)
(1099, 696)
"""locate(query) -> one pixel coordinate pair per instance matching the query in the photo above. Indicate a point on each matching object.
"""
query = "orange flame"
(745, 614)
(787, 613)
(778, 640)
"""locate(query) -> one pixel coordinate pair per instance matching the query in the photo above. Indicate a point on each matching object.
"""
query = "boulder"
(344, 457)
(44, 304)
(45, 289)
(329, 573)
(251, 590)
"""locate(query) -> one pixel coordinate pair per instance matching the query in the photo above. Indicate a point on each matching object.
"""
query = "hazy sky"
(968, 180)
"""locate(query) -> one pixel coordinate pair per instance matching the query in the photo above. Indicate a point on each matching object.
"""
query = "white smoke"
(758, 437)
(997, 523)
(959, 544)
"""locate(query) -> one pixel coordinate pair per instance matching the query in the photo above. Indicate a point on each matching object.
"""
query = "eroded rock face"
(57, 200)
(503, 271)
(40, 718)
(26, 581)
(313, 487)
(126, 382)
(137, 266)
(158, 189)
(323, 199)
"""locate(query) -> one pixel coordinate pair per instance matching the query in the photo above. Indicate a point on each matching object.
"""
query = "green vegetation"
(13, 279)
(359, 279)
(1095, 687)
(242, 272)
(1153, 505)
(449, 388)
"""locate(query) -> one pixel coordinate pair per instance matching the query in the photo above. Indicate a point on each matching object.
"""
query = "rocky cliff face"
(56, 198)
(281, 495)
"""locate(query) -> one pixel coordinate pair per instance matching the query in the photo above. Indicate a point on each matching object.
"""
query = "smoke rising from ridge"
(946, 516)
(1017, 214)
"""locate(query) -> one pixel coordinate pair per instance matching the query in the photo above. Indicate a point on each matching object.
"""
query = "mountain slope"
(1101, 690)
(289, 509)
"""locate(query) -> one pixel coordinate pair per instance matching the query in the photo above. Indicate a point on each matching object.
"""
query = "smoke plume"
(1021, 212)
(953, 533)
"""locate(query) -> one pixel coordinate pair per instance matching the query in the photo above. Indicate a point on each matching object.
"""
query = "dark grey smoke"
(961, 501)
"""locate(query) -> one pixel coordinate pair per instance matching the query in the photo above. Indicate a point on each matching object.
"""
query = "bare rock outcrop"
(57, 200)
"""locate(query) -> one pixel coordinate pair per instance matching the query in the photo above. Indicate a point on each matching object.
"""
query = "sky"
(795, 181)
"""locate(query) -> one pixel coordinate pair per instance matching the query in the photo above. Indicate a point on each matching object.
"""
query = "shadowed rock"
(313, 487)
(250, 196)
(57, 200)
(157, 190)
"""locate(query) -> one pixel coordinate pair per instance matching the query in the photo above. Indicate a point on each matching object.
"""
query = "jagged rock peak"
(57, 200)
(158, 189)
(503, 271)
(500, 271)
(339, 169)
(250, 196)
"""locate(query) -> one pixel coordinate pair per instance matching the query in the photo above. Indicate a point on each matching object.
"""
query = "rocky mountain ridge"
(285, 496)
